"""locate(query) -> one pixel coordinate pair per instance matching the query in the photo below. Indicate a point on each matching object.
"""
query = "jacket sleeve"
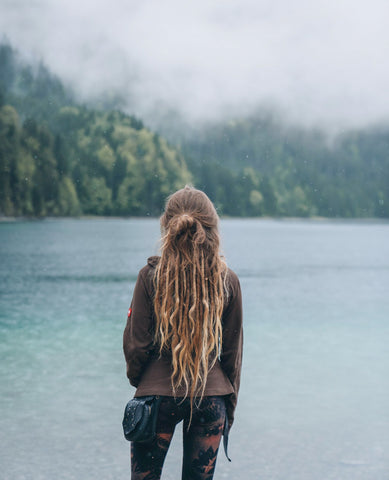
(232, 346)
(138, 334)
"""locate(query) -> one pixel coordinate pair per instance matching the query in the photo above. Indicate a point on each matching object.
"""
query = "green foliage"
(66, 159)
(60, 158)
(68, 203)
(257, 166)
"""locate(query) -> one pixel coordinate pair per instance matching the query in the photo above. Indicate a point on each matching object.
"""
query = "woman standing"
(183, 338)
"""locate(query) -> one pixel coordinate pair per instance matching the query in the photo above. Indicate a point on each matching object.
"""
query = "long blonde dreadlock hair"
(189, 290)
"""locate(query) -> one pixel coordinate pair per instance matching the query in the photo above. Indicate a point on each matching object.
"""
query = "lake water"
(314, 402)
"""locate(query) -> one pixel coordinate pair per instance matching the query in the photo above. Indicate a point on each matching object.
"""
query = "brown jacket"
(151, 373)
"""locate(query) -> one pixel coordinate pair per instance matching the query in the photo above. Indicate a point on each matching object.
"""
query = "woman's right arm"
(138, 337)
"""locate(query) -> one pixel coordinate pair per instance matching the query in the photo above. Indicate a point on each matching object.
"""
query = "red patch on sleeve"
(129, 313)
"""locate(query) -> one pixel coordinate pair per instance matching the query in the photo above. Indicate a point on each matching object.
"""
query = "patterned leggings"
(201, 441)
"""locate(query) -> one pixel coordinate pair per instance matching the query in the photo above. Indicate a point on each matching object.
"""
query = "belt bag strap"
(225, 438)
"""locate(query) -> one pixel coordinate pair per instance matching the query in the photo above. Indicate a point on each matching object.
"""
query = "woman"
(183, 338)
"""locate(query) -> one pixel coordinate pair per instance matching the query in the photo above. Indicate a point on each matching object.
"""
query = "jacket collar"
(153, 261)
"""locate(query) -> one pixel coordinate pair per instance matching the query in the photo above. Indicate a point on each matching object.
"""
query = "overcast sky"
(318, 60)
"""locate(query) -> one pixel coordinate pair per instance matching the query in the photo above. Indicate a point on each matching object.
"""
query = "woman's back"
(183, 338)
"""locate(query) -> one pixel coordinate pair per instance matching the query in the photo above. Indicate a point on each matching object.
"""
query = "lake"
(314, 401)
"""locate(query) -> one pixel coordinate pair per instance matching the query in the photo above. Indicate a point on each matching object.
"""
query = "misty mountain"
(61, 158)
(260, 165)
(58, 157)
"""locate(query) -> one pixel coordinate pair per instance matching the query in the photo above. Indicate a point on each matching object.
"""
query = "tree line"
(260, 166)
(58, 157)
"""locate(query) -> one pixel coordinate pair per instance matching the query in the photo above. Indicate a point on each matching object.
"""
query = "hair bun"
(182, 223)
(186, 227)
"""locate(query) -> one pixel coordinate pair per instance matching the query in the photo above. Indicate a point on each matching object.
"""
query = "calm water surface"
(314, 401)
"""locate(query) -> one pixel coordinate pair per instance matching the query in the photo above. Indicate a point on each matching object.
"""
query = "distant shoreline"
(11, 219)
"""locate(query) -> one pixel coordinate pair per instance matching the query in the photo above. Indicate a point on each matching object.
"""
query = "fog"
(321, 62)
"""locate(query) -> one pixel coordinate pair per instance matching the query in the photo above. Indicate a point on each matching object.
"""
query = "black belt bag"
(140, 418)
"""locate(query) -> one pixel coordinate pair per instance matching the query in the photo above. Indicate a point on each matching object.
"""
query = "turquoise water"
(314, 401)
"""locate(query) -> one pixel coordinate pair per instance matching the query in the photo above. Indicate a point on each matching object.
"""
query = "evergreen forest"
(59, 157)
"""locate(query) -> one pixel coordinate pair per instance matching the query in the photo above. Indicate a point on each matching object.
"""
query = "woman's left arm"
(138, 338)
(232, 346)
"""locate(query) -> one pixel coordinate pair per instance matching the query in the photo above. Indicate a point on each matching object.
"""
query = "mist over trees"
(58, 157)
(259, 166)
